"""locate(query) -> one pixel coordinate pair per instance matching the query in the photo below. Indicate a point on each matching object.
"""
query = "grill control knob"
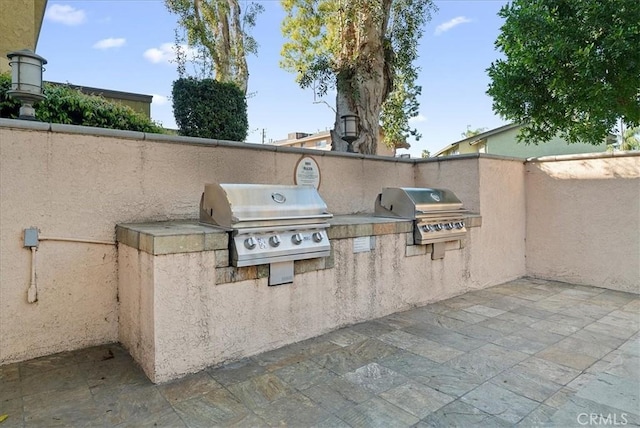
(274, 241)
(438, 226)
(317, 237)
(448, 226)
(459, 225)
(296, 239)
(250, 243)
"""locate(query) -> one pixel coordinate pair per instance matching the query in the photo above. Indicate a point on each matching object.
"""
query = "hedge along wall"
(67, 105)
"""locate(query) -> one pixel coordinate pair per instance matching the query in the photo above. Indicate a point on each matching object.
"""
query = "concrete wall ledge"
(188, 236)
(583, 156)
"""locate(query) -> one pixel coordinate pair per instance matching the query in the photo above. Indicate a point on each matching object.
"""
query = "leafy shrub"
(210, 109)
(70, 106)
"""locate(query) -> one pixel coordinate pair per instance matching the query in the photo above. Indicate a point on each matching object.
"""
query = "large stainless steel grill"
(437, 213)
(268, 223)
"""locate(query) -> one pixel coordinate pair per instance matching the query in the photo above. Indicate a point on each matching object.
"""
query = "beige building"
(322, 141)
(502, 141)
(20, 23)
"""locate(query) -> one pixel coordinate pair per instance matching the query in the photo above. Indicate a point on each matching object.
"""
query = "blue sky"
(124, 45)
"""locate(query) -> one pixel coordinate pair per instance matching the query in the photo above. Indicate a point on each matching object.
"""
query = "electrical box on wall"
(31, 237)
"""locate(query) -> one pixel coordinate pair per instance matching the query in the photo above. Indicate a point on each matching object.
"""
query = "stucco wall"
(198, 322)
(495, 188)
(583, 221)
(75, 185)
(76, 182)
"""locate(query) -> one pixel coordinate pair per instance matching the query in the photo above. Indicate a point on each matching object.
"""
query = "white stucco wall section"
(583, 221)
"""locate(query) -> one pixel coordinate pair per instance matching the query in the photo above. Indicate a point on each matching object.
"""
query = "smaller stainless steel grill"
(269, 224)
(437, 213)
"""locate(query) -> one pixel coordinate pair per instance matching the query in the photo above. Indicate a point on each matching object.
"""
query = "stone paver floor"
(526, 353)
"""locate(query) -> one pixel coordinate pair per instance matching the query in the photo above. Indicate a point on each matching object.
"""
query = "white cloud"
(109, 43)
(159, 100)
(166, 53)
(446, 26)
(65, 14)
(418, 118)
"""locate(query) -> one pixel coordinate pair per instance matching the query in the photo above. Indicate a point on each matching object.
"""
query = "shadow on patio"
(525, 353)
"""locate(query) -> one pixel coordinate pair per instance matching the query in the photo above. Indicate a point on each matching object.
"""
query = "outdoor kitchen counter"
(188, 236)
(183, 306)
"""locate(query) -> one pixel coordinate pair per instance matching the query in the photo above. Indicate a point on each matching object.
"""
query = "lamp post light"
(26, 80)
(350, 126)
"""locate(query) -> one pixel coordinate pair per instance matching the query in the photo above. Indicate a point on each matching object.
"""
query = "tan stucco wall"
(81, 186)
(494, 188)
(583, 221)
(71, 184)
(20, 23)
(198, 323)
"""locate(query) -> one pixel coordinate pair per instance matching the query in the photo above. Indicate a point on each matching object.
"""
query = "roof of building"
(312, 137)
(474, 139)
(109, 93)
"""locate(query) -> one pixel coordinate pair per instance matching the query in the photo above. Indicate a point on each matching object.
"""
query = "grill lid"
(414, 202)
(234, 206)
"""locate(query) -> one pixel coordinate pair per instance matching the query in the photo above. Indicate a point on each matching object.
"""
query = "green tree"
(425, 154)
(472, 132)
(207, 108)
(218, 31)
(365, 49)
(631, 139)
(571, 67)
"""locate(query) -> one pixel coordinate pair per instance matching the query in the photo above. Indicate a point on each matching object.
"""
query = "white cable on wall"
(32, 293)
(82, 240)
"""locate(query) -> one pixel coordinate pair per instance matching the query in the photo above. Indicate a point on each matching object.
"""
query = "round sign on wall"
(307, 172)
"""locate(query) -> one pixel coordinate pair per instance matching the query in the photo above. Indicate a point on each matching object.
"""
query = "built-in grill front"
(269, 224)
(437, 213)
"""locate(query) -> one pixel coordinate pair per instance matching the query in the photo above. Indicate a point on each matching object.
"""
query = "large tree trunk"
(363, 83)
(241, 71)
(223, 45)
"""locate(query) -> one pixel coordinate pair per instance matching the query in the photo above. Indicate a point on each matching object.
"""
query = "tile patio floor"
(526, 353)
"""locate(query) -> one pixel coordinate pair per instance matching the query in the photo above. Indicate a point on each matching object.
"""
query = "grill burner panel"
(268, 223)
(437, 213)
(256, 248)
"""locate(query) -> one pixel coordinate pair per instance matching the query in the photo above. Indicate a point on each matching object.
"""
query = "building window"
(321, 143)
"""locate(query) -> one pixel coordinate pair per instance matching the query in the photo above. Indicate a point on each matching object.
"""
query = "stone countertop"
(187, 236)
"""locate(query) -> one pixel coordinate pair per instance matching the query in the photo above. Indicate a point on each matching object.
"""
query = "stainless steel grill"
(437, 213)
(269, 224)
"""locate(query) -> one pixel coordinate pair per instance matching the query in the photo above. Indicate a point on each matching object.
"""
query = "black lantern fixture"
(26, 80)
(350, 126)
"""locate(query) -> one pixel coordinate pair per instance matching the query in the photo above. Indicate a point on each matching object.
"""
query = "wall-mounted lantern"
(350, 127)
(26, 80)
